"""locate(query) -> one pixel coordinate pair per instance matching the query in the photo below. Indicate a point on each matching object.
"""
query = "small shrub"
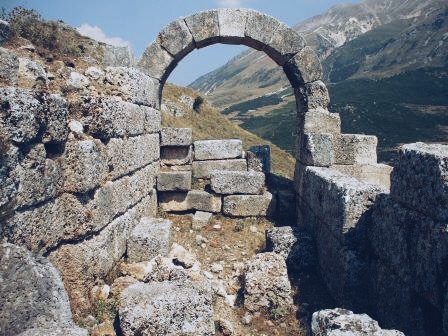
(198, 101)
(240, 225)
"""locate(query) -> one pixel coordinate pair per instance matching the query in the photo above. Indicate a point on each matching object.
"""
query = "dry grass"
(208, 123)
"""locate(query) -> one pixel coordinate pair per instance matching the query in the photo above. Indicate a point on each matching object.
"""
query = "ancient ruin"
(80, 188)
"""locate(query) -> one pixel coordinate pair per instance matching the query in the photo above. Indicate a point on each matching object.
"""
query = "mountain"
(376, 44)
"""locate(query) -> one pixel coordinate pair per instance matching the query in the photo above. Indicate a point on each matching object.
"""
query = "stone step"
(249, 205)
(218, 149)
(235, 182)
(174, 181)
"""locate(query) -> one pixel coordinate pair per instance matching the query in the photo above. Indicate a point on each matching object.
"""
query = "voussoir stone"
(157, 62)
(204, 27)
(304, 67)
(284, 44)
(177, 39)
(249, 205)
(260, 28)
(232, 24)
(235, 182)
(203, 169)
(173, 136)
(151, 237)
(218, 149)
(174, 181)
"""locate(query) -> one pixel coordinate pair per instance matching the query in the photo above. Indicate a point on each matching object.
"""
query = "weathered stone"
(177, 39)
(22, 115)
(317, 149)
(259, 29)
(134, 85)
(84, 165)
(355, 149)
(235, 182)
(296, 247)
(335, 322)
(30, 73)
(77, 81)
(204, 201)
(203, 169)
(176, 155)
(5, 31)
(9, 66)
(322, 121)
(182, 256)
(249, 205)
(172, 136)
(204, 27)
(174, 201)
(32, 295)
(127, 155)
(259, 158)
(113, 118)
(371, 173)
(118, 56)
(420, 179)
(232, 24)
(218, 149)
(151, 237)
(174, 181)
(156, 62)
(121, 283)
(303, 68)
(167, 308)
(284, 44)
(315, 97)
(55, 330)
(201, 219)
(56, 120)
(94, 73)
(266, 284)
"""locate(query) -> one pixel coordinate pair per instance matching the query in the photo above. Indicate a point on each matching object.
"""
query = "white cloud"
(96, 33)
(230, 3)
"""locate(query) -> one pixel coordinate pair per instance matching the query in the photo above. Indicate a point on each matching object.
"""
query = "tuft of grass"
(239, 226)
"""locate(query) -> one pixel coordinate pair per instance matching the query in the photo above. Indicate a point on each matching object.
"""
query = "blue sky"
(138, 22)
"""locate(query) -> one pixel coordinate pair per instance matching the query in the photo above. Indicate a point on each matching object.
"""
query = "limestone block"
(156, 62)
(312, 96)
(259, 158)
(284, 44)
(167, 308)
(317, 149)
(259, 29)
(234, 182)
(9, 66)
(201, 219)
(113, 118)
(266, 284)
(322, 121)
(420, 179)
(31, 73)
(204, 27)
(203, 169)
(177, 39)
(179, 155)
(56, 130)
(371, 173)
(127, 155)
(32, 294)
(117, 56)
(172, 136)
(84, 165)
(341, 321)
(174, 181)
(204, 201)
(304, 67)
(151, 237)
(218, 149)
(296, 247)
(249, 205)
(134, 85)
(174, 201)
(77, 81)
(355, 149)
(55, 330)
(22, 115)
(232, 24)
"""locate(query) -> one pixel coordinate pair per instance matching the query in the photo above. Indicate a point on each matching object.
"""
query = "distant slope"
(208, 123)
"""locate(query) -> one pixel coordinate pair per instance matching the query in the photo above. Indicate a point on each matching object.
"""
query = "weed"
(239, 226)
(277, 309)
(162, 213)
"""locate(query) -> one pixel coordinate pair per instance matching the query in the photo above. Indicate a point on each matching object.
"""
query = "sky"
(138, 22)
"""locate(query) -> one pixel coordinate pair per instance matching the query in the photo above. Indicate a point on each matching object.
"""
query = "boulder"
(9, 65)
(249, 205)
(235, 182)
(77, 81)
(217, 149)
(31, 73)
(149, 238)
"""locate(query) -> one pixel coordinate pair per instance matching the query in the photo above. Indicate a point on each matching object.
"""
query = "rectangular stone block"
(203, 169)
(322, 121)
(134, 86)
(174, 181)
(234, 182)
(355, 149)
(317, 149)
(172, 136)
(420, 179)
(204, 201)
(371, 173)
(150, 238)
(176, 156)
(115, 119)
(127, 155)
(56, 130)
(259, 158)
(201, 219)
(84, 165)
(173, 201)
(204, 27)
(249, 205)
(218, 149)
